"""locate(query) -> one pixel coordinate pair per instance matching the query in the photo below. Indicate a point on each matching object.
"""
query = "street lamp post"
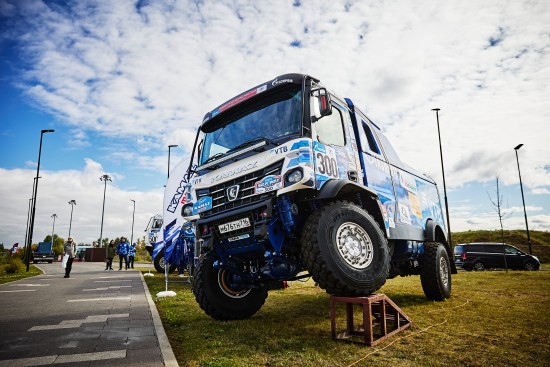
(444, 184)
(53, 227)
(170, 147)
(104, 178)
(523, 200)
(35, 191)
(133, 216)
(72, 203)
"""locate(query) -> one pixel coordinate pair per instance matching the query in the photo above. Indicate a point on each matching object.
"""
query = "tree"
(497, 205)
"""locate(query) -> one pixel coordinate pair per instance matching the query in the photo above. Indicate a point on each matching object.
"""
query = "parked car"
(484, 255)
(43, 252)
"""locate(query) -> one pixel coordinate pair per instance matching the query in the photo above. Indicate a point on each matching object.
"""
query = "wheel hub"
(223, 282)
(444, 271)
(354, 245)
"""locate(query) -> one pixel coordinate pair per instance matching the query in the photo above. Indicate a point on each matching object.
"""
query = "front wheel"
(435, 272)
(160, 263)
(344, 250)
(218, 293)
(530, 266)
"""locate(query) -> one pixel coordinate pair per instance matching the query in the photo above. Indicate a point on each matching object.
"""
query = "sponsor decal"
(202, 205)
(237, 238)
(277, 82)
(268, 183)
(177, 197)
(234, 172)
(408, 183)
(415, 205)
(404, 214)
(279, 150)
(239, 99)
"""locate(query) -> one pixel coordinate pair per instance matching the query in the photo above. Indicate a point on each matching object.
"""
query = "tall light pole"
(53, 227)
(104, 178)
(133, 215)
(72, 203)
(444, 184)
(34, 191)
(523, 200)
(170, 147)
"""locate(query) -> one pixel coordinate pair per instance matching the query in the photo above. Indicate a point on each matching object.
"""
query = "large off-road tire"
(218, 299)
(435, 271)
(344, 250)
(159, 263)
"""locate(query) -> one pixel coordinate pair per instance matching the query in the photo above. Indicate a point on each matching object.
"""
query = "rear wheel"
(345, 250)
(217, 292)
(160, 263)
(479, 266)
(435, 272)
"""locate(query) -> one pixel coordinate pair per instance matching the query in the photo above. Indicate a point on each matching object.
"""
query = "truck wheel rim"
(444, 271)
(354, 245)
(226, 288)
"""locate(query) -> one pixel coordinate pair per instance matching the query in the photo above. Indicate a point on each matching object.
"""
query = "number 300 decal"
(326, 165)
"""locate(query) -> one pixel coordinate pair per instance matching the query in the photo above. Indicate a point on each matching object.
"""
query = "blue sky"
(120, 81)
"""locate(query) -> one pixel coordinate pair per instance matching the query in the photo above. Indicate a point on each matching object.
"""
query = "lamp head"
(519, 146)
(48, 131)
(435, 109)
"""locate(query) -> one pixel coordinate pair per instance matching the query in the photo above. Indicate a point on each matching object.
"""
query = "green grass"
(494, 318)
(21, 273)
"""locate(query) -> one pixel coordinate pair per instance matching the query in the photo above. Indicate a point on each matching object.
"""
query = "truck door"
(335, 149)
(377, 173)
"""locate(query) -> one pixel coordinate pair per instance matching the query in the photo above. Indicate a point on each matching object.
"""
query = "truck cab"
(290, 178)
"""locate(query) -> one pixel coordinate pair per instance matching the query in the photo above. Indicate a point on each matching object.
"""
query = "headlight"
(187, 210)
(295, 176)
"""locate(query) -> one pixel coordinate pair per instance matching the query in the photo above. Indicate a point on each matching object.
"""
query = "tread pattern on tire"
(311, 255)
(199, 290)
(429, 272)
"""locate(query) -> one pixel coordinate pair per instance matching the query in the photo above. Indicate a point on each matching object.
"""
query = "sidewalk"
(93, 318)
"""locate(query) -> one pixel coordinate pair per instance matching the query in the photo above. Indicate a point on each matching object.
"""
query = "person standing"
(110, 255)
(69, 248)
(122, 250)
(131, 254)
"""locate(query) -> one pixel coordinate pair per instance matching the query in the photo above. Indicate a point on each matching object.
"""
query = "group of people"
(125, 252)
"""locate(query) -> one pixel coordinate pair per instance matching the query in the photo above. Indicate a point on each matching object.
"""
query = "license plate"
(235, 225)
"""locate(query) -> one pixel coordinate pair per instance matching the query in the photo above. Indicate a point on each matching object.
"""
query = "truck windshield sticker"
(202, 205)
(239, 99)
(268, 183)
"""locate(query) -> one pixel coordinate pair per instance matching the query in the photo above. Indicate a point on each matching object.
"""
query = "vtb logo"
(232, 192)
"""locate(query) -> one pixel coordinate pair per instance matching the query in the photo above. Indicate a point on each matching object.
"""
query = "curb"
(166, 350)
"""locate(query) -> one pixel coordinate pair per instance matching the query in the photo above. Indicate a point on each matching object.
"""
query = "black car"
(43, 252)
(484, 255)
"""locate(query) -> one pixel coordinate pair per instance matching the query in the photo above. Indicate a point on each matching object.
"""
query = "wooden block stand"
(381, 319)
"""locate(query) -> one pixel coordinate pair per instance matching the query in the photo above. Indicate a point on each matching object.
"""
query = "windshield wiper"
(213, 158)
(252, 142)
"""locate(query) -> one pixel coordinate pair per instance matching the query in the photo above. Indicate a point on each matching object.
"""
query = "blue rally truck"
(290, 178)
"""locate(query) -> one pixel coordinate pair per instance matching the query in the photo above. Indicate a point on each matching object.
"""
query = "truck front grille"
(246, 195)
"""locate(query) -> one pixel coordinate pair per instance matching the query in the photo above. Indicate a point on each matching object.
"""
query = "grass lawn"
(494, 318)
(6, 278)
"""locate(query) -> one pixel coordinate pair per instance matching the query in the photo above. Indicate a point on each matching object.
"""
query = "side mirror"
(321, 103)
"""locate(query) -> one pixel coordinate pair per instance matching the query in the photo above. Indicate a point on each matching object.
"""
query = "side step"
(381, 319)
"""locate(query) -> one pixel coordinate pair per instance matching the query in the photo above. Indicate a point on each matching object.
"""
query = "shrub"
(14, 266)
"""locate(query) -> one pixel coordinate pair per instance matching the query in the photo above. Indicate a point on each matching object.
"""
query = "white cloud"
(56, 189)
(151, 74)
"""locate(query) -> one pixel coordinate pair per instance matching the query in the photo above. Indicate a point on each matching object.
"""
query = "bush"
(12, 266)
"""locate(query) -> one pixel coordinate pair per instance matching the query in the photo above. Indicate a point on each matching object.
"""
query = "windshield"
(271, 118)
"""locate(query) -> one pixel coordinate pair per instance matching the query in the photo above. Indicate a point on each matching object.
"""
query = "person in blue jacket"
(122, 249)
(131, 255)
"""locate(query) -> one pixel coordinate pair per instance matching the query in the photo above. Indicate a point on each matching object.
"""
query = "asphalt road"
(93, 318)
